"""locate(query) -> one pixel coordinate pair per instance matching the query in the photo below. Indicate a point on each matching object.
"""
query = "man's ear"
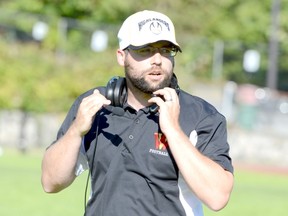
(120, 57)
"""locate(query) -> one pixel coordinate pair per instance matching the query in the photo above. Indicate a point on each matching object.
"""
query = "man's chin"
(152, 89)
(150, 86)
(159, 85)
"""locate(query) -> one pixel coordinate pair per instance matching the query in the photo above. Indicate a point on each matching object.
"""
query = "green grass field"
(21, 193)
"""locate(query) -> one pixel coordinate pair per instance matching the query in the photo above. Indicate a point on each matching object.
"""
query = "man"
(143, 159)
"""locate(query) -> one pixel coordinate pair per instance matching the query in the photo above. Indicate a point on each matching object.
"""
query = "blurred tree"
(46, 80)
(246, 20)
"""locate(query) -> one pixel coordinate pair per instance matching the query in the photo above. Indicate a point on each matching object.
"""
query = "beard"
(140, 83)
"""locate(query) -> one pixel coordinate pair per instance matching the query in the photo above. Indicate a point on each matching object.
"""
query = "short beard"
(141, 84)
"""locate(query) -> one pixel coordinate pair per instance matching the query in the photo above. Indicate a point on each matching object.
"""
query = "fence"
(257, 124)
(27, 130)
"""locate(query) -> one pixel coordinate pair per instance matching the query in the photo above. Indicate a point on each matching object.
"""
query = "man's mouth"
(155, 73)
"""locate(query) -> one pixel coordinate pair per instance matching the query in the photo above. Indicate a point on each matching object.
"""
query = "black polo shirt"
(132, 170)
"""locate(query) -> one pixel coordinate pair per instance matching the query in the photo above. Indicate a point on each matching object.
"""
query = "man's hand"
(169, 108)
(59, 161)
(87, 110)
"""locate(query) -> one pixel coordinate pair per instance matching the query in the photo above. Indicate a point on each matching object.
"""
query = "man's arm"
(208, 180)
(211, 183)
(59, 161)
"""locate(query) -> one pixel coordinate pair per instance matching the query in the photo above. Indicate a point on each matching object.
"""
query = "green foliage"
(38, 80)
(59, 68)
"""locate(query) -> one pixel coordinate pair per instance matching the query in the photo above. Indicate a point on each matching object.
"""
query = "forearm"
(58, 165)
(208, 180)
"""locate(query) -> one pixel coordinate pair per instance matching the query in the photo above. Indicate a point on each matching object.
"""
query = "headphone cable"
(92, 164)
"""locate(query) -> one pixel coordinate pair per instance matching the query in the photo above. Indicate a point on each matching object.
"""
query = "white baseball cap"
(146, 27)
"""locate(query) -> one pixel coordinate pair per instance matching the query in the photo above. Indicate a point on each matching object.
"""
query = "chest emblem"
(161, 145)
(160, 141)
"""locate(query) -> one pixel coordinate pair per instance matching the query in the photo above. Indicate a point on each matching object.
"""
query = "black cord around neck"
(92, 164)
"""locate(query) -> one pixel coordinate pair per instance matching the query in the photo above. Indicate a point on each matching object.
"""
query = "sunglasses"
(149, 51)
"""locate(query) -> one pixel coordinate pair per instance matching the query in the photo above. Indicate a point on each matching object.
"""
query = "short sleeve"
(212, 140)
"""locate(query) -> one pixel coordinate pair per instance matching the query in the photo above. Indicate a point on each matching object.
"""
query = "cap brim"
(134, 46)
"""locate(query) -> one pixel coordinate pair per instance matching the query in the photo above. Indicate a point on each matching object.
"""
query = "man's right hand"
(87, 110)
(59, 161)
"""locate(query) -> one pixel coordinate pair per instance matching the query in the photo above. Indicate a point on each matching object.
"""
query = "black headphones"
(116, 90)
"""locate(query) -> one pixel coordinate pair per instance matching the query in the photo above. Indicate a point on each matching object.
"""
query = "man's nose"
(156, 58)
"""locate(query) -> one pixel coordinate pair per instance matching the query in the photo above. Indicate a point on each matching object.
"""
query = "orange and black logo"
(160, 142)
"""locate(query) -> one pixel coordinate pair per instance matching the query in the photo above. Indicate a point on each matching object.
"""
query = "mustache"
(155, 70)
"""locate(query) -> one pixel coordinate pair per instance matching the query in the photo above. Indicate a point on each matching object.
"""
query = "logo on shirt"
(161, 144)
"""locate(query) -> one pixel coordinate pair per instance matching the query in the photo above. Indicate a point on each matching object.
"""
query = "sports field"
(255, 193)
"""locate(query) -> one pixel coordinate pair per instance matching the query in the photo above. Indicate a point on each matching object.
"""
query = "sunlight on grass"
(22, 194)
(256, 194)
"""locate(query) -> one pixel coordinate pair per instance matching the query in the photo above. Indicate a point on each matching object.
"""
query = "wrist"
(74, 131)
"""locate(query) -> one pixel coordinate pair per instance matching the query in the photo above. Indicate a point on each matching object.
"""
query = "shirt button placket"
(137, 121)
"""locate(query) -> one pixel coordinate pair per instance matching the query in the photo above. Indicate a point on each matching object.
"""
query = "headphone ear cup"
(116, 91)
(110, 89)
(120, 92)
